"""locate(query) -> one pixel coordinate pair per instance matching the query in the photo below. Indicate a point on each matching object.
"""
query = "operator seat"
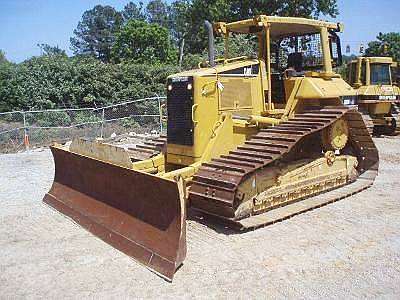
(295, 61)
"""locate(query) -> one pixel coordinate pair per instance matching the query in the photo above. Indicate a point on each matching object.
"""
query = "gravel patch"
(348, 249)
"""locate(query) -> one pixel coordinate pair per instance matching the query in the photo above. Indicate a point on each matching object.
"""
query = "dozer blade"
(139, 214)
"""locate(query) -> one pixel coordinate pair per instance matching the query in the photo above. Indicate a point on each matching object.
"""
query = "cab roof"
(376, 59)
(279, 26)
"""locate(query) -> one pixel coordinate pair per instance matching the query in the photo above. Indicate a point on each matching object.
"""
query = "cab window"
(380, 74)
(353, 73)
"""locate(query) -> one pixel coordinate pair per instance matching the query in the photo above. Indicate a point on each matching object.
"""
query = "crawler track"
(368, 122)
(214, 188)
(396, 115)
(148, 148)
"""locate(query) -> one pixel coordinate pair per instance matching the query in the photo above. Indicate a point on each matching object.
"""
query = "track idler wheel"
(396, 119)
(335, 137)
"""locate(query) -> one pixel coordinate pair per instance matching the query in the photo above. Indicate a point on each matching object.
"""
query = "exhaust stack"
(211, 47)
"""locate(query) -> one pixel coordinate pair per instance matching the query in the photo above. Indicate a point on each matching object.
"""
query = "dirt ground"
(349, 249)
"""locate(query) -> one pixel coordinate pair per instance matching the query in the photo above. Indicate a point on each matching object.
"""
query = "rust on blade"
(139, 214)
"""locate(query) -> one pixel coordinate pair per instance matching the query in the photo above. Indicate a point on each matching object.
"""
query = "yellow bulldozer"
(395, 70)
(378, 95)
(250, 141)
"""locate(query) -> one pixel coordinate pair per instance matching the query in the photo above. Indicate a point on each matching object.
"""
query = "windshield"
(395, 74)
(352, 75)
(380, 74)
(303, 52)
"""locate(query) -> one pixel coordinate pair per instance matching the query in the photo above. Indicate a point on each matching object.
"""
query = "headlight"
(349, 100)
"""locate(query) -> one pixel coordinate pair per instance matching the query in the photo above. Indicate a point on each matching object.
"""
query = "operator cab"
(367, 71)
(293, 56)
(287, 48)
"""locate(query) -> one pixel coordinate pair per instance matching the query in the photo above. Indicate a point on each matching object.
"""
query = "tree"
(51, 50)
(387, 44)
(142, 42)
(95, 33)
(7, 89)
(234, 10)
(306, 8)
(3, 58)
(193, 21)
(178, 11)
(132, 11)
(61, 82)
(157, 12)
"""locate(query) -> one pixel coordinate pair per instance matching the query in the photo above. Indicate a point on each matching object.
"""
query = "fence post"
(160, 112)
(26, 133)
(102, 123)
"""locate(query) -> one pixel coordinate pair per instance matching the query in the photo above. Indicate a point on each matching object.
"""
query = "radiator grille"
(179, 105)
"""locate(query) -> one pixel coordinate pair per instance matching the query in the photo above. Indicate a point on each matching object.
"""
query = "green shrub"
(49, 119)
(57, 81)
(88, 116)
(130, 123)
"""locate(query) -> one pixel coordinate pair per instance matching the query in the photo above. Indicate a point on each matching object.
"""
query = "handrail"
(200, 64)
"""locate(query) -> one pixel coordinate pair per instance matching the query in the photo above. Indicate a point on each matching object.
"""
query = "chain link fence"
(21, 130)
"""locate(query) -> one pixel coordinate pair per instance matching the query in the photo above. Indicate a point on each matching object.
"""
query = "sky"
(26, 23)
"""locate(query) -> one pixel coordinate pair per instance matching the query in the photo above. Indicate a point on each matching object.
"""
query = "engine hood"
(215, 70)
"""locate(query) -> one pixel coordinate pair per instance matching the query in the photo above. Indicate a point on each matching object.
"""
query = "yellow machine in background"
(250, 141)
(395, 68)
(378, 95)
